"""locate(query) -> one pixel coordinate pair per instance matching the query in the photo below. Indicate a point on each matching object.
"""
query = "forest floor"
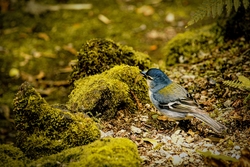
(40, 47)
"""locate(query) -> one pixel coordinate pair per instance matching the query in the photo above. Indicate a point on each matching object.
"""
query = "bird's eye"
(149, 77)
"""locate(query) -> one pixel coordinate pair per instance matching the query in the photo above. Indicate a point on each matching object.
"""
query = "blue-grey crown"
(158, 76)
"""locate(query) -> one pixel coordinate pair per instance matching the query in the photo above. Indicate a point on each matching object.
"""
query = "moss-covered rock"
(105, 152)
(191, 46)
(99, 95)
(119, 88)
(11, 156)
(131, 76)
(44, 130)
(98, 55)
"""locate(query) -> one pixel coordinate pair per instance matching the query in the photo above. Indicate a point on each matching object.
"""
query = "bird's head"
(156, 79)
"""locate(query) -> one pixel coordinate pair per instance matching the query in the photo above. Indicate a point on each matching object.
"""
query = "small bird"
(174, 101)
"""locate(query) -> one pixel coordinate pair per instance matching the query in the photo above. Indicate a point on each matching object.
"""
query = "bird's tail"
(216, 126)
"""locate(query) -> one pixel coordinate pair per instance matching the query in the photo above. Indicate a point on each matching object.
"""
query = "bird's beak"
(144, 74)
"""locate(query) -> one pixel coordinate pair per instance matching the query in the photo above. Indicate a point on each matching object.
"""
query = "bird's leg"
(176, 125)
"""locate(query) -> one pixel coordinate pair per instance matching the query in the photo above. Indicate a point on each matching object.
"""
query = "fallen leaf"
(218, 157)
(43, 36)
(40, 75)
(104, 19)
(236, 116)
(191, 132)
(165, 118)
(154, 34)
(245, 81)
(66, 69)
(70, 49)
(155, 116)
(146, 10)
(162, 118)
(5, 111)
(153, 47)
(135, 129)
(47, 91)
(54, 83)
(189, 139)
(152, 141)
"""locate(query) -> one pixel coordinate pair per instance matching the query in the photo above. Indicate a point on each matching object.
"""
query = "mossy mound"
(11, 156)
(192, 46)
(99, 95)
(119, 88)
(131, 76)
(44, 130)
(101, 153)
(99, 55)
(104, 152)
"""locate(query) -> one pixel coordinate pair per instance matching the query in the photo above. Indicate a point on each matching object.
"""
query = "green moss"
(98, 55)
(44, 130)
(119, 88)
(189, 47)
(131, 76)
(101, 153)
(104, 152)
(100, 95)
(11, 156)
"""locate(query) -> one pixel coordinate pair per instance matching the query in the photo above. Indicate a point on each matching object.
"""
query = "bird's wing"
(174, 97)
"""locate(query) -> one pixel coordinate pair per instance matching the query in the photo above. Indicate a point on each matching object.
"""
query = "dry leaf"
(5, 111)
(191, 132)
(70, 49)
(189, 139)
(162, 118)
(104, 19)
(54, 83)
(66, 69)
(218, 157)
(40, 75)
(153, 47)
(146, 10)
(152, 141)
(43, 36)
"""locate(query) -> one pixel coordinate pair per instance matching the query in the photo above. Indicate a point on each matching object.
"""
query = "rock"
(99, 55)
(184, 47)
(120, 88)
(103, 152)
(100, 96)
(44, 130)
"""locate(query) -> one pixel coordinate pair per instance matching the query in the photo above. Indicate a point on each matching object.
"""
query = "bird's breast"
(153, 100)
